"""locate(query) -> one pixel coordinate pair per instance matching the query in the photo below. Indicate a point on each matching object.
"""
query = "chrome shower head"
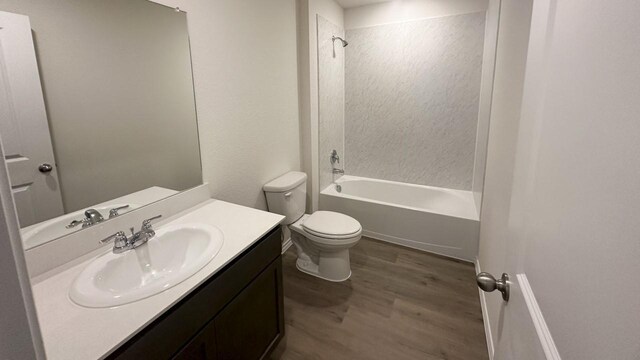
(344, 42)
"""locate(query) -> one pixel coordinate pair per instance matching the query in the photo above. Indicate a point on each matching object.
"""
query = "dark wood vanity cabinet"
(237, 314)
(202, 346)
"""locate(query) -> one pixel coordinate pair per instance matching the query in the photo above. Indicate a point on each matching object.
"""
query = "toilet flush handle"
(287, 195)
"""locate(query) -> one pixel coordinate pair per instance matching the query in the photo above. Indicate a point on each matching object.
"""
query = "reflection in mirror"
(97, 110)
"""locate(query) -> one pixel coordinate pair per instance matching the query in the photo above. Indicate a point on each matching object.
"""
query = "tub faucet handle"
(334, 157)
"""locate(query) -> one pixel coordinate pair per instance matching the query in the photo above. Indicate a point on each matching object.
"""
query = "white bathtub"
(439, 220)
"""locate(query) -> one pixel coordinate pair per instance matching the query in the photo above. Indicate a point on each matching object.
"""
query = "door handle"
(45, 168)
(488, 283)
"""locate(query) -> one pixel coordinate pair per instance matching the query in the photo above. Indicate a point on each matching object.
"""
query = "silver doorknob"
(489, 283)
(45, 168)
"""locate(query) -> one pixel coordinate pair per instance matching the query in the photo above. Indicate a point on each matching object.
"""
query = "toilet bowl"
(322, 239)
(322, 251)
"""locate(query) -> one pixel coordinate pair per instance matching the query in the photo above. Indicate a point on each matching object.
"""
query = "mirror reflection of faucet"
(93, 216)
(116, 211)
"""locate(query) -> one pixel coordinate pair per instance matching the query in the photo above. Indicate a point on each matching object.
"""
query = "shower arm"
(344, 42)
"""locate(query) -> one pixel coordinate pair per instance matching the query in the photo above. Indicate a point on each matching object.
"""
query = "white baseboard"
(286, 245)
(548, 345)
(485, 316)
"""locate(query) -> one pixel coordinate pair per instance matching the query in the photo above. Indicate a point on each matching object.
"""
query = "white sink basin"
(172, 256)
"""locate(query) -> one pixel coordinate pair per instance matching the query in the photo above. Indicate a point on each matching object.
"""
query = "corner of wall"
(307, 11)
(304, 106)
(486, 96)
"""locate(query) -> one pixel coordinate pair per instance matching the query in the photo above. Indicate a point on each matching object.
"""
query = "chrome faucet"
(122, 242)
(338, 171)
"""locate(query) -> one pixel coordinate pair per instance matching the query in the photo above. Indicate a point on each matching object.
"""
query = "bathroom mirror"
(97, 110)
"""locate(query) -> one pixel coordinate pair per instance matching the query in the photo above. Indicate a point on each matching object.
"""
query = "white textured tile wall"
(412, 92)
(331, 98)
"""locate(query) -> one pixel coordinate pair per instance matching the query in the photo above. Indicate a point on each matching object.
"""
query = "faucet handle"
(119, 236)
(334, 158)
(146, 224)
(115, 211)
(120, 244)
(75, 223)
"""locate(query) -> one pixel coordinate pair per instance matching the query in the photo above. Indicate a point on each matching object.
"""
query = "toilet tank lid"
(285, 182)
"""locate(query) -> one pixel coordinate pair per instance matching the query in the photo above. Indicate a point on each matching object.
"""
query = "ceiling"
(353, 3)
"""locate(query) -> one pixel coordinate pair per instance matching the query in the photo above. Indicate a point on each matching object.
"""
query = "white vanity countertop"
(71, 331)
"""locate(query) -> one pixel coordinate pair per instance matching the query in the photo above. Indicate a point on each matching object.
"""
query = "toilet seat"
(332, 225)
(332, 242)
(327, 240)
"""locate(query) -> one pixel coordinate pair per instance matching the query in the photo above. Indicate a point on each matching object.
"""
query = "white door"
(574, 222)
(23, 125)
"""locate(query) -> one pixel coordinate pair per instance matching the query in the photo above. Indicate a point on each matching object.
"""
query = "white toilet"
(322, 239)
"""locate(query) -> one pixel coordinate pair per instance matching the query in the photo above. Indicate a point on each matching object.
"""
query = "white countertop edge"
(72, 332)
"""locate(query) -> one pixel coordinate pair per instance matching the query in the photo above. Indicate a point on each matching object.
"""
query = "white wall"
(486, 90)
(511, 58)
(405, 10)
(245, 69)
(412, 95)
(308, 10)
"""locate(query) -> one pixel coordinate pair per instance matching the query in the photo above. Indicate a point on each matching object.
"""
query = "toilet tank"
(287, 195)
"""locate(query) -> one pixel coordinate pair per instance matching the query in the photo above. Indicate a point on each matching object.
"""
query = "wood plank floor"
(398, 304)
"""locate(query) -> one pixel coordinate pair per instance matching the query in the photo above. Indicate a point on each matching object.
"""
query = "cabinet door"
(252, 324)
(201, 347)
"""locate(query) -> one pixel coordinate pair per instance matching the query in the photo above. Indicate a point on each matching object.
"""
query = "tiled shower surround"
(411, 100)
